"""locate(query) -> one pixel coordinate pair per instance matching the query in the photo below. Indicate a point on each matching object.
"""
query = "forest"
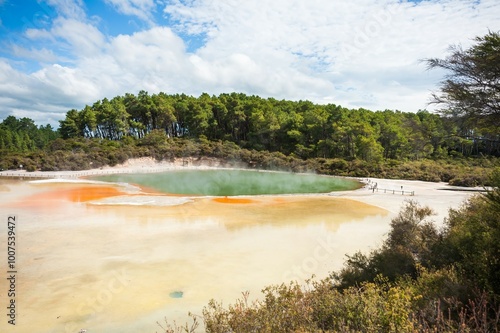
(23, 135)
(300, 128)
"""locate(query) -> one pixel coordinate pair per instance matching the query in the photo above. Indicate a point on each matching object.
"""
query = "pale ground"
(438, 196)
(134, 165)
(81, 270)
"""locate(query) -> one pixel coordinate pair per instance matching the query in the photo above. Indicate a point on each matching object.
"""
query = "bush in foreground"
(378, 306)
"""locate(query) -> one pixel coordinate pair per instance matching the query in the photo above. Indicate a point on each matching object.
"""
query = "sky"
(56, 55)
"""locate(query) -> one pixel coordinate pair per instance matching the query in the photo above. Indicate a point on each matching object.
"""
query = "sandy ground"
(389, 194)
(134, 165)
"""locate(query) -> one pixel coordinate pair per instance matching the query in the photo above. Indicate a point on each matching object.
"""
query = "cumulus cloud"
(67, 41)
(24, 95)
(356, 54)
(357, 47)
(80, 38)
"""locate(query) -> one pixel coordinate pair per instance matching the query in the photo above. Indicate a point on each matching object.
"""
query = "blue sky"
(61, 54)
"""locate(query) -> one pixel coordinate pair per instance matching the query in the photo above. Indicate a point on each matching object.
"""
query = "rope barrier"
(412, 193)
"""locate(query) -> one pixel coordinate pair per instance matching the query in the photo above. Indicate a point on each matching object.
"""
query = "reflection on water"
(122, 268)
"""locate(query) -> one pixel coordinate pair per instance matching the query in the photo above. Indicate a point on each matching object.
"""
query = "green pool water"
(234, 182)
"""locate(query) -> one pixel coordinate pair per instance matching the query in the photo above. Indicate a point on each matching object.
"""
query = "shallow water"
(108, 260)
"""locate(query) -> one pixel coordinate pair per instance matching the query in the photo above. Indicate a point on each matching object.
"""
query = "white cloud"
(68, 8)
(82, 39)
(67, 37)
(351, 45)
(139, 8)
(38, 34)
(41, 55)
(25, 95)
(356, 54)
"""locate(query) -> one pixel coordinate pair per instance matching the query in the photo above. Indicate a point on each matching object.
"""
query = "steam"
(223, 182)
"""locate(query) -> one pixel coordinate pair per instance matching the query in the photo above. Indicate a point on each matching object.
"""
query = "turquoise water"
(176, 294)
(234, 182)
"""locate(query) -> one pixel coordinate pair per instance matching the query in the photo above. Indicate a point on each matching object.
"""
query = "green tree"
(217, 126)
(410, 243)
(392, 137)
(111, 118)
(163, 113)
(472, 239)
(198, 115)
(236, 119)
(419, 143)
(471, 88)
(88, 122)
(71, 125)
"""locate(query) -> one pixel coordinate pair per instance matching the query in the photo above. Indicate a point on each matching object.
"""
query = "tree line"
(302, 128)
(23, 135)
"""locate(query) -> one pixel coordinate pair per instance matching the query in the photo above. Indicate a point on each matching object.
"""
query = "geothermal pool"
(117, 258)
(234, 182)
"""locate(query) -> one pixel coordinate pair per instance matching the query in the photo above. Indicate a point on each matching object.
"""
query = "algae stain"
(176, 294)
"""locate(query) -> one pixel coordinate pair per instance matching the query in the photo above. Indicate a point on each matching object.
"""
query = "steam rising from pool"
(234, 182)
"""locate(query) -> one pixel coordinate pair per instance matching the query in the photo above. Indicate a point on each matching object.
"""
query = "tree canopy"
(22, 135)
(471, 89)
(301, 128)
